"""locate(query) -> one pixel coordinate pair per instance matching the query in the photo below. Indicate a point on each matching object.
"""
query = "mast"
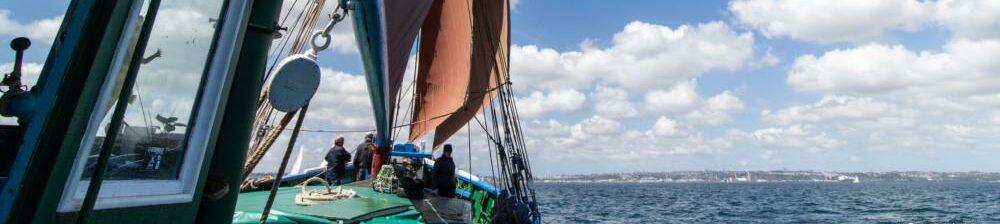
(385, 31)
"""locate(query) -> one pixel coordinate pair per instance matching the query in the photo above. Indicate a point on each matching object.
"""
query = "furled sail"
(462, 62)
(385, 31)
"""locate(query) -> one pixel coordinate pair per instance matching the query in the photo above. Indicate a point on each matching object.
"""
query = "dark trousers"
(332, 176)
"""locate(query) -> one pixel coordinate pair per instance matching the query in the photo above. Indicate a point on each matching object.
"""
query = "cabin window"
(158, 153)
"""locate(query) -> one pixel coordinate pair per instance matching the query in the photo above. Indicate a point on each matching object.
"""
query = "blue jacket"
(337, 158)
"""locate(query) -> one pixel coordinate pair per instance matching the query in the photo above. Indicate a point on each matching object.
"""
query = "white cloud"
(664, 127)
(725, 101)
(715, 110)
(964, 68)
(995, 118)
(43, 30)
(832, 108)
(681, 97)
(770, 59)
(613, 102)
(603, 141)
(796, 137)
(596, 126)
(537, 103)
(969, 18)
(957, 130)
(342, 101)
(642, 56)
(861, 21)
(829, 21)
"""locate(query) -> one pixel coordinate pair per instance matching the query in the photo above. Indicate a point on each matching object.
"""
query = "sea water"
(900, 202)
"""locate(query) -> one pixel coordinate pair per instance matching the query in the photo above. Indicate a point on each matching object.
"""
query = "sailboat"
(461, 75)
(94, 141)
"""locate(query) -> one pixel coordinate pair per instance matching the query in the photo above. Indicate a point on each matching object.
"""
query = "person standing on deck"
(380, 156)
(336, 160)
(363, 158)
(444, 173)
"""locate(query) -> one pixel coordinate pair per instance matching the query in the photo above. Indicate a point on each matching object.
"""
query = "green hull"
(370, 207)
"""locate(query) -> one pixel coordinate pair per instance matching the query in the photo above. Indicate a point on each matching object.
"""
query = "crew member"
(363, 158)
(336, 160)
(444, 173)
(380, 155)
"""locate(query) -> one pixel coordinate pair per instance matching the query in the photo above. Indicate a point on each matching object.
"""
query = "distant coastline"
(774, 176)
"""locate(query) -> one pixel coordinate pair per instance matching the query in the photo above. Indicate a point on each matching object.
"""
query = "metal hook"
(335, 18)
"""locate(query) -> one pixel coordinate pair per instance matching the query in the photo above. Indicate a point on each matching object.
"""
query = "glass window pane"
(161, 106)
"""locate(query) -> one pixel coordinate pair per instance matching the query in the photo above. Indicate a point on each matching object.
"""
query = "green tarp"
(370, 205)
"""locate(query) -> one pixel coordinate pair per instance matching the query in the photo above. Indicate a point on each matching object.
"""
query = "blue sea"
(908, 202)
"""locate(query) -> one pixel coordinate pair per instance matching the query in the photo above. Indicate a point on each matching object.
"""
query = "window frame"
(208, 105)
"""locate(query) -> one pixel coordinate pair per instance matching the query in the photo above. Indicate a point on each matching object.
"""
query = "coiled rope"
(312, 197)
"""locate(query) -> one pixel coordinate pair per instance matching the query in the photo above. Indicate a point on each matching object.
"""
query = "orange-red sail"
(443, 65)
(462, 62)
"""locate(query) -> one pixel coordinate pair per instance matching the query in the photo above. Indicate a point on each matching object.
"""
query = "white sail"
(298, 162)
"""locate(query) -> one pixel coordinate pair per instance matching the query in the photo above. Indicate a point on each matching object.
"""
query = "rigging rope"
(313, 197)
(284, 163)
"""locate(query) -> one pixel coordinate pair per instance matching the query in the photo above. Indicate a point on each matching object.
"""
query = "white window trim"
(126, 193)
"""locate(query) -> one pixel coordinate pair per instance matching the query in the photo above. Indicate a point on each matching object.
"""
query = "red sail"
(474, 88)
(443, 67)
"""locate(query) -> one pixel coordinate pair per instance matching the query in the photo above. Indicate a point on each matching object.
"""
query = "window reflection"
(161, 106)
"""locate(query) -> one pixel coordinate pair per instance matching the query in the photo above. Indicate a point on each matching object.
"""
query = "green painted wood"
(75, 52)
(367, 202)
(229, 151)
(165, 214)
(81, 115)
(408, 217)
(482, 202)
(277, 217)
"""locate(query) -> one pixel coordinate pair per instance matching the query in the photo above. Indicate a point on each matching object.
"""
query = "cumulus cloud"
(596, 126)
(613, 102)
(796, 137)
(885, 96)
(964, 68)
(342, 101)
(862, 21)
(642, 56)
(972, 19)
(538, 103)
(680, 97)
(829, 21)
(664, 127)
(716, 110)
(604, 143)
(684, 99)
(837, 108)
(39, 30)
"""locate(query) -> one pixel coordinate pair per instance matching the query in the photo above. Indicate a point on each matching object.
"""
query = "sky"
(626, 86)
